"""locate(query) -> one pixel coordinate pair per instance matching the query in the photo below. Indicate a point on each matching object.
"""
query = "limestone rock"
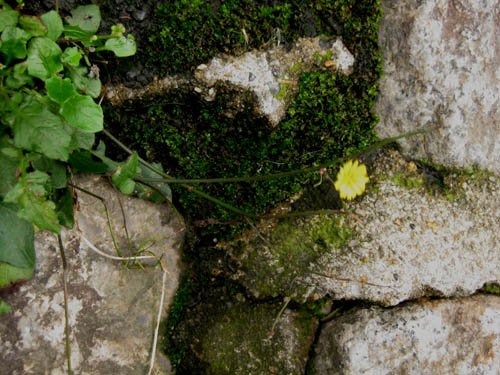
(424, 337)
(273, 75)
(442, 71)
(112, 309)
(407, 242)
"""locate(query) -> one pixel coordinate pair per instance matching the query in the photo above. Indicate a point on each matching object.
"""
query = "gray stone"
(442, 71)
(460, 337)
(407, 242)
(112, 309)
(273, 75)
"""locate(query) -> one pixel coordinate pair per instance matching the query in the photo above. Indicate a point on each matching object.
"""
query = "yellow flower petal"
(351, 180)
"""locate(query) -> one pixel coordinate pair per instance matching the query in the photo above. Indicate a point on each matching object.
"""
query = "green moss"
(183, 295)
(491, 289)
(272, 267)
(190, 32)
(241, 340)
(408, 181)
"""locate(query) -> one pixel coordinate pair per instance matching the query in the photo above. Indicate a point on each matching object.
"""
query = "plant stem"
(188, 187)
(66, 315)
(304, 170)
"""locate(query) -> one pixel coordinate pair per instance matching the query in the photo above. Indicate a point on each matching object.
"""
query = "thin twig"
(66, 315)
(92, 247)
(108, 219)
(160, 310)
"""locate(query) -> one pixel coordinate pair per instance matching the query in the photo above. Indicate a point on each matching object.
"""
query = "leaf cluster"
(48, 121)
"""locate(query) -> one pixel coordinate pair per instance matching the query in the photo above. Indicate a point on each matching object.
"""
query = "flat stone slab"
(442, 71)
(431, 337)
(413, 243)
(407, 242)
(112, 309)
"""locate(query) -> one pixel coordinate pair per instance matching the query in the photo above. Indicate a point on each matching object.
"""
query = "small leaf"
(54, 24)
(33, 25)
(123, 175)
(16, 238)
(84, 84)
(80, 111)
(56, 169)
(59, 90)
(64, 206)
(74, 32)
(86, 17)
(40, 212)
(10, 274)
(44, 58)
(8, 168)
(19, 77)
(37, 129)
(122, 47)
(81, 139)
(72, 56)
(8, 18)
(14, 43)
(4, 308)
(82, 161)
(145, 192)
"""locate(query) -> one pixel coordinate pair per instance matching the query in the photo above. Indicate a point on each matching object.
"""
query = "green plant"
(48, 118)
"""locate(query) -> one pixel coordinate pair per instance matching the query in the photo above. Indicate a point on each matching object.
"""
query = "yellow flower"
(351, 180)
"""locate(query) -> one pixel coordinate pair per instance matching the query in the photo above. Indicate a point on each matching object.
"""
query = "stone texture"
(460, 337)
(273, 75)
(242, 338)
(112, 309)
(442, 71)
(408, 241)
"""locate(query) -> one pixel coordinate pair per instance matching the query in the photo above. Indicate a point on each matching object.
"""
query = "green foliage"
(47, 113)
(16, 238)
(4, 308)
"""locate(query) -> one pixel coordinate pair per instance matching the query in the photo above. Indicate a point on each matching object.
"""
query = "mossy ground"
(330, 117)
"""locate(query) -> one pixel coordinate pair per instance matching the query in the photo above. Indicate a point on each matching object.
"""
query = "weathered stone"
(424, 337)
(112, 309)
(442, 71)
(406, 242)
(273, 75)
(241, 338)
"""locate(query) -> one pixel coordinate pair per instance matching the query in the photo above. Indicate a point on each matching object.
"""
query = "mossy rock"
(241, 338)
(278, 257)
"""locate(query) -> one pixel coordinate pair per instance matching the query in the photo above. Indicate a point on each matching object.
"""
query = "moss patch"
(244, 338)
(272, 267)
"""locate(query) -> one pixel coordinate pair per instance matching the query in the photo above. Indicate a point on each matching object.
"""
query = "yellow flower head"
(351, 180)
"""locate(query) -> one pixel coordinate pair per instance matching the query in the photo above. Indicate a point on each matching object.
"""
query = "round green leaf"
(10, 274)
(72, 56)
(86, 17)
(16, 238)
(33, 25)
(37, 129)
(80, 111)
(44, 58)
(59, 90)
(54, 24)
(122, 47)
(8, 18)
(14, 43)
